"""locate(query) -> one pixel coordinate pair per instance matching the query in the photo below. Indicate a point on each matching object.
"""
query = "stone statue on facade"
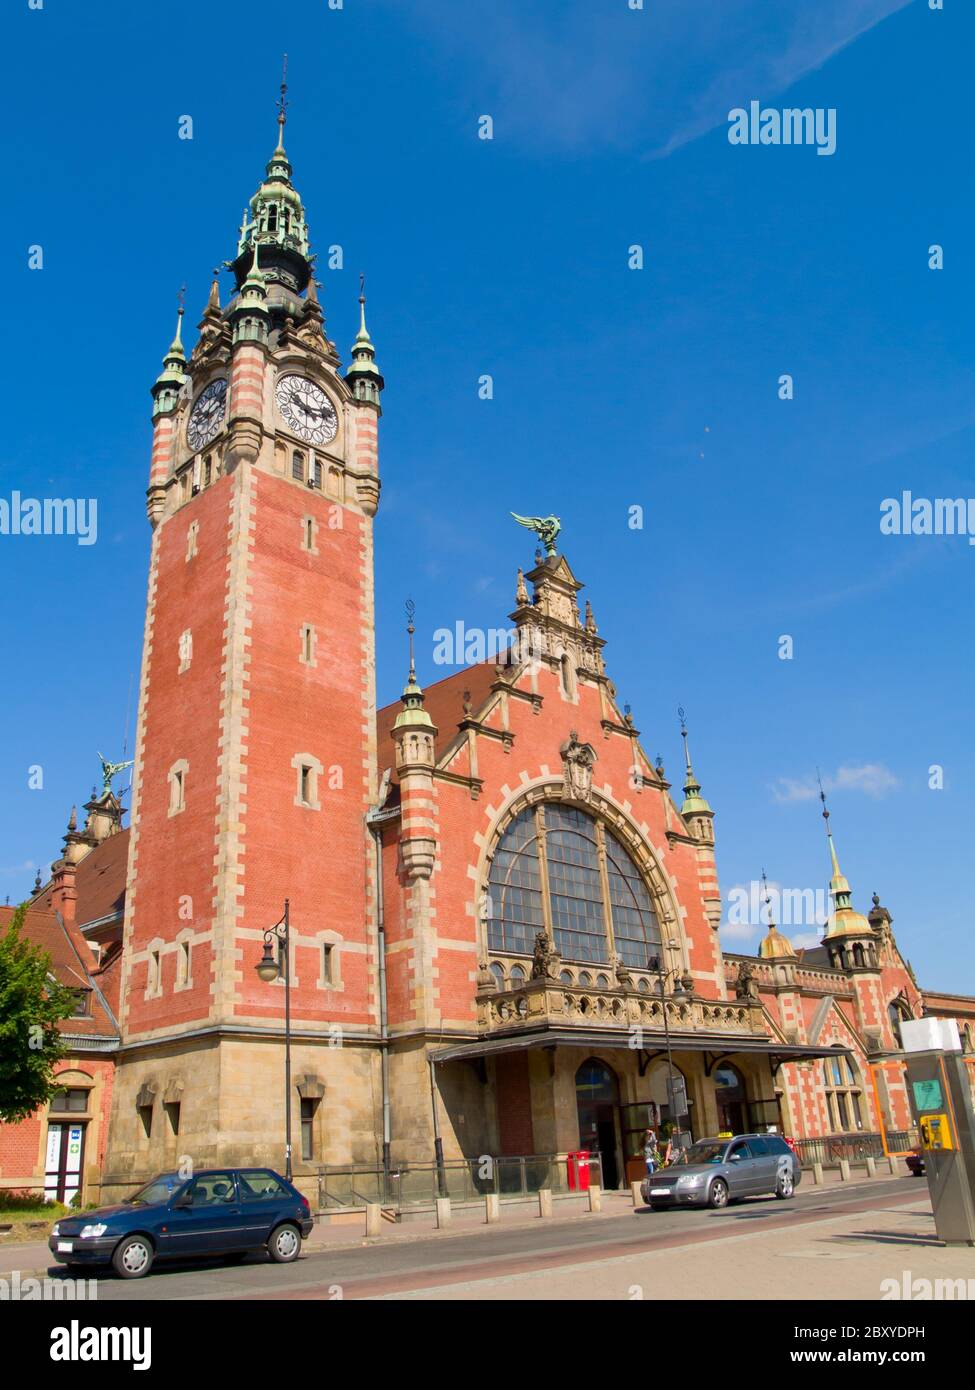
(578, 760)
(746, 986)
(545, 958)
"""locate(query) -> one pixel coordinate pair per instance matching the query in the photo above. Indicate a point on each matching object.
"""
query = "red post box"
(578, 1171)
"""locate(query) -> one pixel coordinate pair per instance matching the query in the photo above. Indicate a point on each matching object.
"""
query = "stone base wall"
(231, 1092)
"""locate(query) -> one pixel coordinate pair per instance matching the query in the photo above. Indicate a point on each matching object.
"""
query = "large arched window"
(561, 870)
(843, 1095)
(897, 1013)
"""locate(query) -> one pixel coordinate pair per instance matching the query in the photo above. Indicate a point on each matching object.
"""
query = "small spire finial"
(283, 98)
(767, 900)
(411, 628)
(683, 734)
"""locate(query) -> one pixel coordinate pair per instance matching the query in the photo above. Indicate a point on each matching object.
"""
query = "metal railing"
(347, 1187)
(828, 1149)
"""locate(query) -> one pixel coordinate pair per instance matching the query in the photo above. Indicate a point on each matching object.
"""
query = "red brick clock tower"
(256, 758)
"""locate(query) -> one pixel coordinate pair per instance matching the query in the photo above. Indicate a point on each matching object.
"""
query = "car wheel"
(718, 1196)
(285, 1244)
(132, 1258)
(785, 1186)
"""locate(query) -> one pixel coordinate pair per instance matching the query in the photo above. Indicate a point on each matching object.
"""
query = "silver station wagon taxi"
(714, 1172)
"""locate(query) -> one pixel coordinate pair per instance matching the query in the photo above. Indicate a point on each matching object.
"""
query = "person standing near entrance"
(650, 1152)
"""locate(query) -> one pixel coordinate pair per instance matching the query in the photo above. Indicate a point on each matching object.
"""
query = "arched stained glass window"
(574, 884)
(635, 927)
(515, 889)
(559, 869)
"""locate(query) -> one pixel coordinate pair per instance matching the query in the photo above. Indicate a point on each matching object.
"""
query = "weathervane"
(546, 528)
(283, 98)
(110, 770)
(411, 628)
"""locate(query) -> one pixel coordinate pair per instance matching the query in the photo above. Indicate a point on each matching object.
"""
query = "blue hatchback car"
(225, 1211)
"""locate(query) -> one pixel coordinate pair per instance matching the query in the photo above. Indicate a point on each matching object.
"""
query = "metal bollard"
(595, 1197)
(545, 1201)
(871, 1166)
(844, 1170)
(492, 1208)
(443, 1212)
(374, 1218)
(818, 1174)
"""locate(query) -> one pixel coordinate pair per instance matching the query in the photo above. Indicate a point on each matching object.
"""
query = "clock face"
(306, 409)
(207, 414)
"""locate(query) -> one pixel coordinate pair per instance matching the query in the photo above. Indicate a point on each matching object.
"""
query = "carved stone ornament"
(545, 959)
(746, 986)
(578, 760)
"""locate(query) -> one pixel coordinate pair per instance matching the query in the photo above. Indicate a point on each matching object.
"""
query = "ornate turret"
(169, 382)
(695, 810)
(413, 719)
(275, 216)
(549, 625)
(415, 734)
(249, 312)
(364, 377)
(849, 937)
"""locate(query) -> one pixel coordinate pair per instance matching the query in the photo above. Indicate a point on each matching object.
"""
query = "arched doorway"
(729, 1094)
(597, 1099)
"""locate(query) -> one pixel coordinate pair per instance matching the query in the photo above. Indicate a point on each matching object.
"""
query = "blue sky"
(612, 387)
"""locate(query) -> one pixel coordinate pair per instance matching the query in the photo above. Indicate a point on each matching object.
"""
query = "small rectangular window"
(308, 1108)
(155, 972)
(172, 1115)
(327, 964)
(306, 788)
(207, 471)
(316, 474)
(72, 1101)
(298, 466)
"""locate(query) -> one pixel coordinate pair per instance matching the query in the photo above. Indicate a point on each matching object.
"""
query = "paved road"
(371, 1271)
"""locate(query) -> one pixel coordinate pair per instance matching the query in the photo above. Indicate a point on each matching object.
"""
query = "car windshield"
(160, 1189)
(702, 1153)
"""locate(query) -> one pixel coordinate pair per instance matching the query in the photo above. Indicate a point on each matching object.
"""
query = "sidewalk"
(33, 1257)
(887, 1255)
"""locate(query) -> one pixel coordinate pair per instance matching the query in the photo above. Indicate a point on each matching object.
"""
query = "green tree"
(32, 1004)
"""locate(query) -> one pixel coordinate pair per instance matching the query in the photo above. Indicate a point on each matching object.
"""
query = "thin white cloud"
(599, 75)
(872, 779)
(805, 940)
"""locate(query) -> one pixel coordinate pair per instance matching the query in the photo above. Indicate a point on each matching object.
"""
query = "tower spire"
(412, 697)
(844, 919)
(773, 944)
(277, 215)
(363, 375)
(167, 385)
(282, 106)
(694, 802)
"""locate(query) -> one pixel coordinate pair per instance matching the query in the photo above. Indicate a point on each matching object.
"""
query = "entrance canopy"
(596, 1038)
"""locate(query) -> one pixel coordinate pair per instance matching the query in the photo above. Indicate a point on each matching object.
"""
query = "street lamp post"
(270, 970)
(656, 965)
